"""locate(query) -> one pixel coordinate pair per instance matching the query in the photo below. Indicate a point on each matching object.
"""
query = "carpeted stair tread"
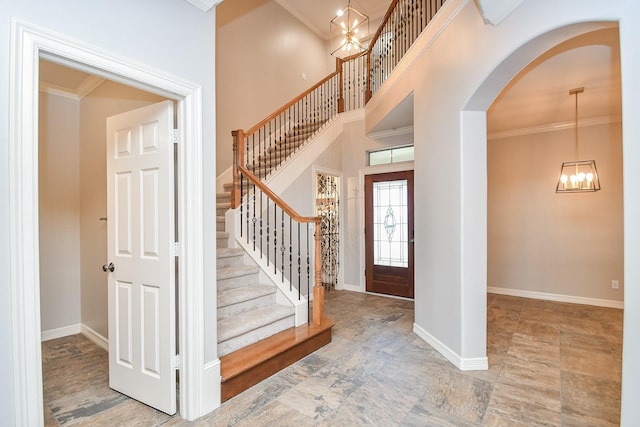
(246, 293)
(229, 252)
(236, 271)
(251, 320)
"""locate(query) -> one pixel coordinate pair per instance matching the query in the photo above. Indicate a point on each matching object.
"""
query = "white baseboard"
(52, 334)
(97, 339)
(464, 364)
(556, 297)
(210, 399)
(66, 331)
(351, 288)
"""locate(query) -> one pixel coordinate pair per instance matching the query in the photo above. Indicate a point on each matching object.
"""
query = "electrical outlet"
(615, 284)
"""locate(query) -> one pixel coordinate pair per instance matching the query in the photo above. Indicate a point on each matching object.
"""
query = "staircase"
(247, 309)
(272, 155)
(257, 336)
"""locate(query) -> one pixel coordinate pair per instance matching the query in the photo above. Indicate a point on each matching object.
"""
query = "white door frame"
(29, 43)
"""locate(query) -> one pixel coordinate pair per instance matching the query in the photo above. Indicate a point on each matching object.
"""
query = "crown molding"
(64, 92)
(495, 11)
(391, 132)
(205, 5)
(604, 120)
(88, 85)
(84, 89)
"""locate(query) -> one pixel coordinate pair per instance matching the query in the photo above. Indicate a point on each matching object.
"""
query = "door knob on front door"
(109, 267)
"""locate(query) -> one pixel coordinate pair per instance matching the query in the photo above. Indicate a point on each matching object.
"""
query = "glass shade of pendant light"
(579, 176)
(347, 31)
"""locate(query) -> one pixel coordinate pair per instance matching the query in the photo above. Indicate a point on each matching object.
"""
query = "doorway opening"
(389, 232)
(328, 208)
(30, 44)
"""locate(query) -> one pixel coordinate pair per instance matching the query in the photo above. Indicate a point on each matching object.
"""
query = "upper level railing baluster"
(404, 22)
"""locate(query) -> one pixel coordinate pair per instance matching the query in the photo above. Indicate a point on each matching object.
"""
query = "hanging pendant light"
(347, 31)
(579, 176)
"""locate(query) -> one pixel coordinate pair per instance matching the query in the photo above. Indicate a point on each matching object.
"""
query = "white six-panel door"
(140, 212)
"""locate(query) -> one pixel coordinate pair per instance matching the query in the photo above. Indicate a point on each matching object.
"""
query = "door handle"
(412, 241)
(109, 267)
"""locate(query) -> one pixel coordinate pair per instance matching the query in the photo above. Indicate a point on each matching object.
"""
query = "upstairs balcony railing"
(404, 22)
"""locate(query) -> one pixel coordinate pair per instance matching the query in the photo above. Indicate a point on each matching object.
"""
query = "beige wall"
(108, 99)
(73, 239)
(59, 212)
(261, 53)
(540, 241)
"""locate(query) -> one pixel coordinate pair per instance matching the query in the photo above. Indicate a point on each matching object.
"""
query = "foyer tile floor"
(550, 364)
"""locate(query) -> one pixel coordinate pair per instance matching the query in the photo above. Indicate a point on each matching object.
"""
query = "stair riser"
(254, 336)
(220, 226)
(229, 261)
(241, 307)
(222, 243)
(221, 211)
(237, 282)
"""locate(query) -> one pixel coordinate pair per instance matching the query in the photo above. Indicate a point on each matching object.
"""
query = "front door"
(140, 213)
(389, 233)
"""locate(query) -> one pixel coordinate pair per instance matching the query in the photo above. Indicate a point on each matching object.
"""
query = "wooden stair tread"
(242, 360)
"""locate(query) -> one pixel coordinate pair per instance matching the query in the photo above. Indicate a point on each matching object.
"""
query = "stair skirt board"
(250, 365)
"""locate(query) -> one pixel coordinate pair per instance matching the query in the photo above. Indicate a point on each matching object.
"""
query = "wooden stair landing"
(248, 366)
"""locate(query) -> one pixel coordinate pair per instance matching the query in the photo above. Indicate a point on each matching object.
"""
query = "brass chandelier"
(579, 176)
(347, 30)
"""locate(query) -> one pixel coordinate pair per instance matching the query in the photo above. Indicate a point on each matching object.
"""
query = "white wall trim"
(495, 11)
(205, 5)
(65, 331)
(211, 396)
(52, 89)
(94, 337)
(464, 364)
(84, 89)
(28, 42)
(594, 121)
(556, 297)
(406, 130)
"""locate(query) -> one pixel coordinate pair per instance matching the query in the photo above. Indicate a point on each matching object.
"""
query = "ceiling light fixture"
(579, 176)
(347, 30)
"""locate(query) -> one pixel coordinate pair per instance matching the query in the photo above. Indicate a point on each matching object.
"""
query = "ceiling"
(539, 95)
(537, 98)
(316, 14)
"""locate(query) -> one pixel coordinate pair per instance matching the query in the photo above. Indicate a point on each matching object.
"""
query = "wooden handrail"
(374, 39)
(290, 103)
(277, 200)
(318, 289)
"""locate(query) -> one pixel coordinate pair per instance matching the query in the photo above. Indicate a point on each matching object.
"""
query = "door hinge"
(176, 249)
(177, 362)
(176, 136)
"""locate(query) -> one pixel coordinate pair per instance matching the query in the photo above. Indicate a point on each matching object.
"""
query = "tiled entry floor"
(550, 364)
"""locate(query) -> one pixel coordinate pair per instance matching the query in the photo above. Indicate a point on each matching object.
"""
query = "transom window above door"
(391, 155)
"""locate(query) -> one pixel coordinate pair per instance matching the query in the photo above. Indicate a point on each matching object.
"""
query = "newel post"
(367, 93)
(318, 289)
(238, 156)
(339, 69)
